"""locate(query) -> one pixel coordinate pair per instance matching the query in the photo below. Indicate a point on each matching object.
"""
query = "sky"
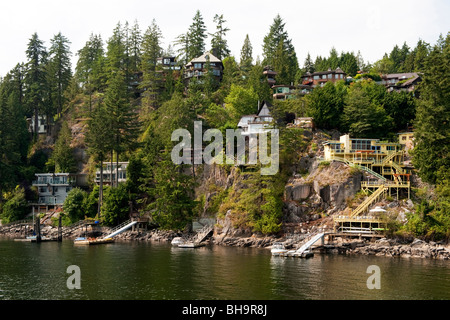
(315, 26)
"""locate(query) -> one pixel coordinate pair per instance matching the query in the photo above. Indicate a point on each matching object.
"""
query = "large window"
(361, 144)
(197, 65)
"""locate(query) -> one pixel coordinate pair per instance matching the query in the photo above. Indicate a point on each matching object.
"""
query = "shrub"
(16, 207)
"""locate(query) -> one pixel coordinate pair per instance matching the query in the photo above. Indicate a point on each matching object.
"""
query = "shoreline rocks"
(382, 247)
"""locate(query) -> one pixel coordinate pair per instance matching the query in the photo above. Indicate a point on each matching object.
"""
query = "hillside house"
(52, 190)
(110, 171)
(320, 78)
(284, 92)
(401, 81)
(197, 67)
(270, 75)
(257, 123)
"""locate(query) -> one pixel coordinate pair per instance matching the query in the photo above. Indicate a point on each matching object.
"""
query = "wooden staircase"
(376, 195)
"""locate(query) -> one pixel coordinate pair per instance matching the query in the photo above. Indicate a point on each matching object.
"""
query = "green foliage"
(241, 101)
(173, 207)
(73, 205)
(326, 105)
(432, 130)
(63, 154)
(16, 206)
(116, 207)
(363, 115)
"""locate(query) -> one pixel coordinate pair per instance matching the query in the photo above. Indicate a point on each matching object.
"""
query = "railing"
(366, 203)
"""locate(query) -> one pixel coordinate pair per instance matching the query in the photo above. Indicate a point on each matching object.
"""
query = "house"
(52, 190)
(42, 124)
(320, 78)
(257, 123)
(197, 67)
(283, 92)
(167, 63)
(270, 75)
(358, 148)
(110, 169)
(401, 81)
(406, 139)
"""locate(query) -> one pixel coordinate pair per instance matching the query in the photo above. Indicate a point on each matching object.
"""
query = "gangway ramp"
(309, 243)
(120, 228)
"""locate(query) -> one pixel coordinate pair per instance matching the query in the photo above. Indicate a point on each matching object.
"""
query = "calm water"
(157, 271)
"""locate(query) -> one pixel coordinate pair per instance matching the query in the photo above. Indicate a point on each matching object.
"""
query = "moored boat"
(278, 248)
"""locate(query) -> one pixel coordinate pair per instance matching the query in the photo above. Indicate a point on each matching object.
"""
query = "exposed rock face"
(326, 188)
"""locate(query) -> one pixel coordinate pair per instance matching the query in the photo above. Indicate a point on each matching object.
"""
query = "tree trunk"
(100, 191)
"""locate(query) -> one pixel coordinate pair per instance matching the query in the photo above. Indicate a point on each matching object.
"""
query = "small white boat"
(278, 248)
(177, 241)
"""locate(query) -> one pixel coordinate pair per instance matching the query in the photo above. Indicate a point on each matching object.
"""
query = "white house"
(108, 170)
(257, 123)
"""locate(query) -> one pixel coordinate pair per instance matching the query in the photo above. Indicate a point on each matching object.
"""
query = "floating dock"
(90, 241)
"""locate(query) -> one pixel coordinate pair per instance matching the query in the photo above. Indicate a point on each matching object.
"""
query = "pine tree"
(196, 37)
(308, 65)
(60, 72)
(36, 79)
(219, 46)
(283, 55)
(90, 69)
(246, 62)
(63, 153)
(151, 50)
(121, 116)
(99, 141)
(432, 130)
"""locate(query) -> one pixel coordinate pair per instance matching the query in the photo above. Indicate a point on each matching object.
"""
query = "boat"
(190, 245)
(91, 241)
(177, 241)
(278, 249)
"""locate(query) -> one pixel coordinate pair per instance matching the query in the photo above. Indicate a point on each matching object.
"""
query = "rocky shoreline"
(382, 247)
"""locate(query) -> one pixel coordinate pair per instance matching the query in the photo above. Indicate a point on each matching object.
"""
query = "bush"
(16, 206)
(115, 207)
(73, 205)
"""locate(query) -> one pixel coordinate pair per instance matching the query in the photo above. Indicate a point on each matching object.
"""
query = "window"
(316, 77)
(197, 65)
(330, 76)
(403, 138)
(166, 61)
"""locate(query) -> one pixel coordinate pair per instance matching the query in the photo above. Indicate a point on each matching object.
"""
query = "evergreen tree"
(36, 95)
(432, 130)
(364, 115)
(60, 72)
(326, 104)
(151, 50)
(219, 46)
(90, 69)
(116, 54)
(246, 62)
(278, 50)
(99, 141)
(121, 116)
(63, 153)
(135, 43)
(308, 65)
(196, 37)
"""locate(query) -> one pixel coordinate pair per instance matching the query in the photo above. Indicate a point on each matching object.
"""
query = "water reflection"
(145, 270)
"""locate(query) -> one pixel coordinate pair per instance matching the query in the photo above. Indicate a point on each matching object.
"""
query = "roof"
(337, 70)
(204, 57)
(264, 109)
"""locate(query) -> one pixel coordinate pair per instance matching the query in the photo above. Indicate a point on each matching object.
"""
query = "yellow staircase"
(377, 194)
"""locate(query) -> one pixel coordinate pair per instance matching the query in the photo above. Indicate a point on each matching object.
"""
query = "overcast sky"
(315, 26)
